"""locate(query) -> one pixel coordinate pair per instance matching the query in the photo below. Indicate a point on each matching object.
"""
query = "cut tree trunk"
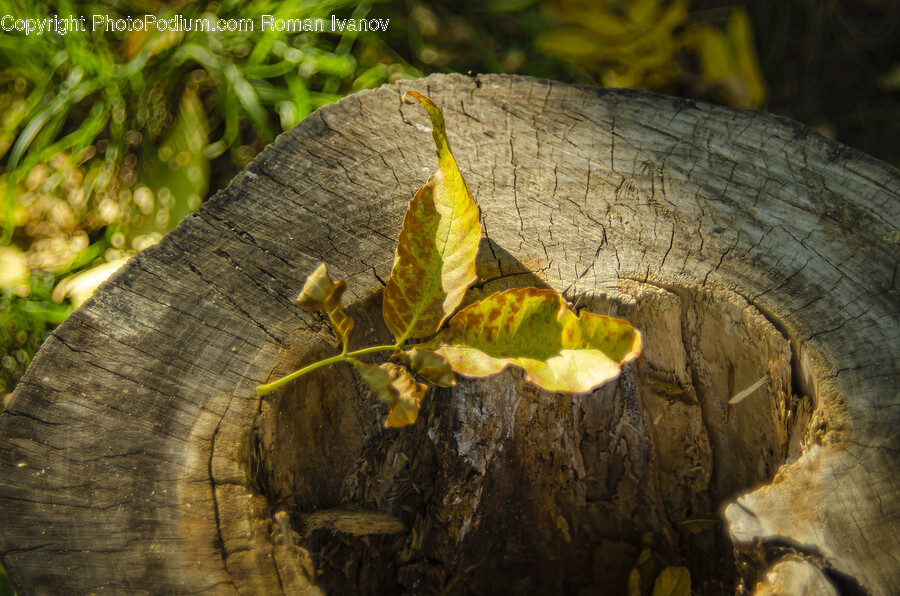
(135, 455)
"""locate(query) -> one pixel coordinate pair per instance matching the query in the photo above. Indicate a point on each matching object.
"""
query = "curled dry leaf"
(535, 330)
(394, 386)
(320, 293)
(430, 366)
(435, 258)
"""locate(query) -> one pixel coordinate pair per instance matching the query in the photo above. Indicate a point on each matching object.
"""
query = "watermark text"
(63, 25)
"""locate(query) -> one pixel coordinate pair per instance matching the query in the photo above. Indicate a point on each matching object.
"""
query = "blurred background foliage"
(108, 140)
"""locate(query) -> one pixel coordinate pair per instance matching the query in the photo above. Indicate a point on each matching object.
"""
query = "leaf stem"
(343, 357)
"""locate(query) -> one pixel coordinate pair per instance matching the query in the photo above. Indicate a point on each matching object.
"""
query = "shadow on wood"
(135, 455)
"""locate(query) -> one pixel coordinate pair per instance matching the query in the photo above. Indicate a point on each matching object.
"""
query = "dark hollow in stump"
(135, 455)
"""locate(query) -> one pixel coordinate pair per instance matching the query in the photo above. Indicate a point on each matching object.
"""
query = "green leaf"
(429, 365)
(5, 588)
(186, 172)
(435, 258)
(249, 100)
(673, 581)
(394, 386)
(320, 293)
(535, 330)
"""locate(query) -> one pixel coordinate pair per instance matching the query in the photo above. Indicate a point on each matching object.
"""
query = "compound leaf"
(394, 386)
(535, 330)
(320, 293)
(435, 258)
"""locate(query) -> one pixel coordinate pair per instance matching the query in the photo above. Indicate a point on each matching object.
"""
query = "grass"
(109, 139)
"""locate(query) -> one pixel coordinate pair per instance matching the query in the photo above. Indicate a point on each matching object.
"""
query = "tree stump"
(135, 456)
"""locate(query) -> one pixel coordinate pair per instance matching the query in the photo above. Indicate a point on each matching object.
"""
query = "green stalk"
(343, 357)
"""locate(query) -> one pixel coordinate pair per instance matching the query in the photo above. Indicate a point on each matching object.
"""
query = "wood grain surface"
(126, 461)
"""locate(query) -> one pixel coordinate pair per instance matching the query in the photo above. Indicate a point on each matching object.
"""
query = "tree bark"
(135, 455)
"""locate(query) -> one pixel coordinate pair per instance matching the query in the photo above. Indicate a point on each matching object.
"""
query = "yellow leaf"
(535, 330)
(716, 60)
(675, 15)
(642, 11)
(13, 267)
(435, 258)
(605, 26)
(571, 42)
(644, 564)
(81, 285)
(740, 32)
(673, 581)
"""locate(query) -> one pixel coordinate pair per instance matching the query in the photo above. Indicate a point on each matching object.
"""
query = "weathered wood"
(136, 457)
